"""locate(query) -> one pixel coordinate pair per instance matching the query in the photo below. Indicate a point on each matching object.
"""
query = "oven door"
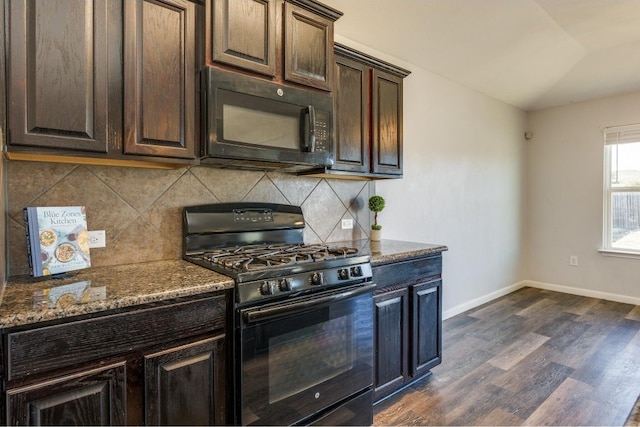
(302, 358)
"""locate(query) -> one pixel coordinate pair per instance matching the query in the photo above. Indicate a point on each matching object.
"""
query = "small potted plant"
(376, 204)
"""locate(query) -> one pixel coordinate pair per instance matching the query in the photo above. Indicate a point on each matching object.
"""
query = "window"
(622, 189)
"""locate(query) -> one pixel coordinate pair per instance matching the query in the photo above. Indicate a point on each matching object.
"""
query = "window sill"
(619, 253)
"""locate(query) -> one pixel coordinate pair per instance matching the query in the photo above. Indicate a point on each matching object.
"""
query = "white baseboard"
(540, 285)
(479, 301)
(582, 292)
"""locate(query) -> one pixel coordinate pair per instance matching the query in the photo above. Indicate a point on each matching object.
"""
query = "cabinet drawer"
(53, 347)
(407, 272)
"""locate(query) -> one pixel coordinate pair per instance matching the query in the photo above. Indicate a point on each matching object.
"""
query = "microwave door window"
(261, 128)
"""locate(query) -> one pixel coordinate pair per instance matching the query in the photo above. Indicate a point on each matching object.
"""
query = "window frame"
(614, 137)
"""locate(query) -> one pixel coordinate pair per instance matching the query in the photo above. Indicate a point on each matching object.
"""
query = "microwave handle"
(310, 135)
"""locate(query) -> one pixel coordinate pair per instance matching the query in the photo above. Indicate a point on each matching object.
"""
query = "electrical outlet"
(573, 260)
(347, 224)
(97, 239)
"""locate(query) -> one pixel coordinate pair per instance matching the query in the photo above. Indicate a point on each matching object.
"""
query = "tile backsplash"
(141, 209)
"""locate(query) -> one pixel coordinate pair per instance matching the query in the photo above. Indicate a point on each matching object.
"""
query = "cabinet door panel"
(308, 48)
(96, 397)
(426, 327)
(352, 116)
(243, 34)
(184, 385)
(58, 74)
(160, 78)
(387, 123)
(391, 335)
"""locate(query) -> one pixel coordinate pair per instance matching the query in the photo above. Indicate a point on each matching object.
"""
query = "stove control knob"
(356, 271)
(284, 285)
(316, 279)
(343, 274)
(268, 288)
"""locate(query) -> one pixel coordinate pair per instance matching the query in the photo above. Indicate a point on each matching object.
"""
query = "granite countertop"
(386, 251)
(26, 300)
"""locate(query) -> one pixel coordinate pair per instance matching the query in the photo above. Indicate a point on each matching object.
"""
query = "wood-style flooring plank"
(517, 351)
(533, 357)
(569, 404)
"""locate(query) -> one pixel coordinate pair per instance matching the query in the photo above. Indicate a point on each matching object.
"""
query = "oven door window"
(296, 365)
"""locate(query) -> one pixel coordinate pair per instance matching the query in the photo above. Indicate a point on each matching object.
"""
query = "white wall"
(565, 201)
(462, 186)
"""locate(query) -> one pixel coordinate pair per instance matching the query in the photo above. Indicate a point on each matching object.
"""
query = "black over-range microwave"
(254, 123)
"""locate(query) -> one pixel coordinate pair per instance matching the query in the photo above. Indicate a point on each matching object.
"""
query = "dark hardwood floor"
(533, 357)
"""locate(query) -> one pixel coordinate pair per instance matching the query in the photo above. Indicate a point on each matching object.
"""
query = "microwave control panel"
(322, 126)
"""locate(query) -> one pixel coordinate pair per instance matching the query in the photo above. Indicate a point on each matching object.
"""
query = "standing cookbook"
(57, 239)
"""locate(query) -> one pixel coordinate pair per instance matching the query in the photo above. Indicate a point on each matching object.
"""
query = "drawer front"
(52, 347)
(407, 272)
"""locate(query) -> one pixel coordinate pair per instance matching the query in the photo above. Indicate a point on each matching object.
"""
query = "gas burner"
(257, 257)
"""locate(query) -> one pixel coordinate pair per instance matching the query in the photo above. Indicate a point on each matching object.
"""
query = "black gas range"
(261, 247)
(303, 314)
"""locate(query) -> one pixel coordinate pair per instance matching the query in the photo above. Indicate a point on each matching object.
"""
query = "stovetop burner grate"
(257, 257)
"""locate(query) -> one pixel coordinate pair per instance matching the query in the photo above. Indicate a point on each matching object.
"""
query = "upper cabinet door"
(386, 104)
(352, 116)
(160, 76)
(57, 78)
(242, 33)
(308, 48)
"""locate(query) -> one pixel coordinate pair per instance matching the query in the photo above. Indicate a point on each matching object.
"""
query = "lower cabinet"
(183, 384)
(408, 323)
(93, 397)
(391, 341)
(160, 365)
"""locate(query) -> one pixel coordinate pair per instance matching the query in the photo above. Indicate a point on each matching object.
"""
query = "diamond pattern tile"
(29, 180)
(265, 191)
(226, 185)
(141, 209)
(339, 235)
(322, 210)
(140, 242)
(295, 188)
(165, 215)
(138, 187)
(347, 190)
(17, 249)
(105, 209)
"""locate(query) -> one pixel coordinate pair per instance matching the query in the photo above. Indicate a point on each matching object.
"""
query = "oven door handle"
(299, 307)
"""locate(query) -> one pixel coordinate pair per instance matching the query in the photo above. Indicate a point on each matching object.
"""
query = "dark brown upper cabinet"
(288, 41)
(57, 80)
(160, 73)
(243, 34)
(368, 116)
(103, 82)
(386, 123)
(308, 47)
(352, 118)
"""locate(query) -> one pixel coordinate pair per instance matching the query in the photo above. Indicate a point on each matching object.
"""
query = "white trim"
(621, 134)
(454, 311)
(619, 253)
(608, 192)
(621, 128)
(582, 292)
(484, 299)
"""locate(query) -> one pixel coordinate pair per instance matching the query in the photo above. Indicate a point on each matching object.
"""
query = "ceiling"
(532, 54)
